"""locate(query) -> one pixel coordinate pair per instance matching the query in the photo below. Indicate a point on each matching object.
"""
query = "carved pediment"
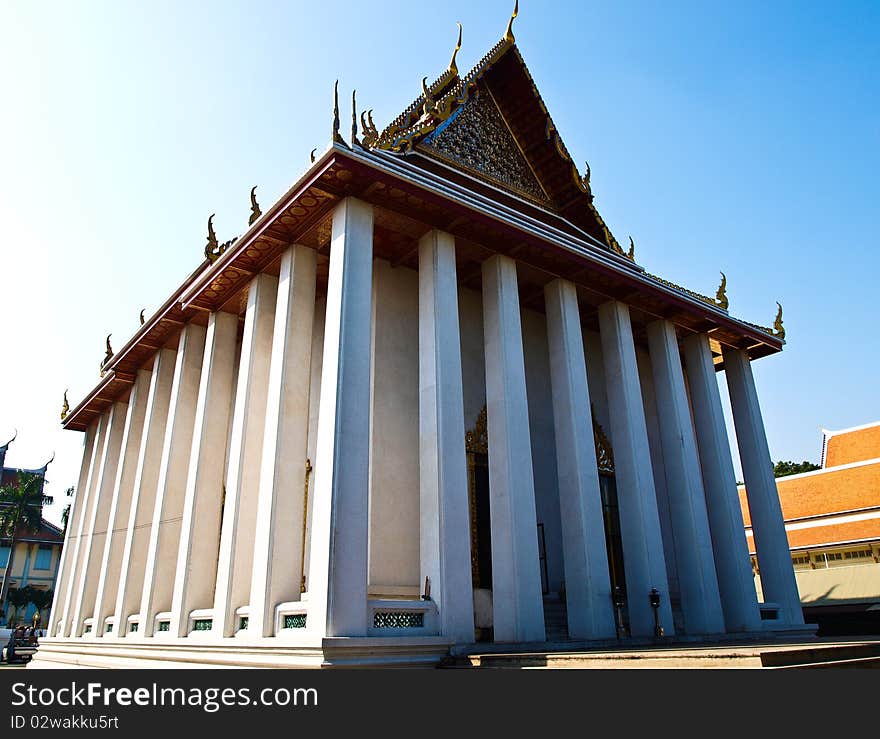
(477, 138)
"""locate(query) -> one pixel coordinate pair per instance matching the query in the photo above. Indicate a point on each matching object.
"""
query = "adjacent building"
(832, 518)
(37, 555)
(425, 399)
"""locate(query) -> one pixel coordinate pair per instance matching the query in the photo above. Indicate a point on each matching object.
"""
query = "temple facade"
(426, 400)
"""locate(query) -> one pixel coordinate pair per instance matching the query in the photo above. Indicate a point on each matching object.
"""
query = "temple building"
(425, 400)
(832, 518)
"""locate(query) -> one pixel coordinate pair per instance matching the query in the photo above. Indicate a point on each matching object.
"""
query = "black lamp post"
(654, 596)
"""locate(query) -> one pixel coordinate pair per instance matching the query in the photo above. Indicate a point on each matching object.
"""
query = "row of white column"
(190, 497)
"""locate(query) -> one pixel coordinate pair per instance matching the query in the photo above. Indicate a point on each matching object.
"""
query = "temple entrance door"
(477, 448)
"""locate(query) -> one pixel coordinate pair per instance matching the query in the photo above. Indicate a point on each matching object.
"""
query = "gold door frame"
(476, 442)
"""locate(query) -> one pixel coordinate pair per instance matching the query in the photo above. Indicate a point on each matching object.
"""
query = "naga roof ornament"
(721, 296)
(108, 355)
(255, 207)
(778, 328)
(213, 249)
(65, 407)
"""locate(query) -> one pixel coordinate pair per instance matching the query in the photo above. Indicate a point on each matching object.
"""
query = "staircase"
(555, 619)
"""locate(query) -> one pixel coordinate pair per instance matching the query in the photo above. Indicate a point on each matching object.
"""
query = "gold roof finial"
(143, 310)
(631, 254)
(354, 120)
(255, 208)
(453, 66)
(335, 135)
(508, 35)
(211, 247)
(778, 328)
(721, 295)
(65, 407)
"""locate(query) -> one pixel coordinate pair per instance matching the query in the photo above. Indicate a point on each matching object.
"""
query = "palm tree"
(21, 512)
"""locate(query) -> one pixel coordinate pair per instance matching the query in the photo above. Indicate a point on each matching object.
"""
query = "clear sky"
(737, 136)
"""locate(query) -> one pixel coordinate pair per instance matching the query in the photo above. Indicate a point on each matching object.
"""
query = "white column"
(771, 542)
(587, 585)
(735, 581)
(517, 602)
(120, 504)
(64, 575)
(161, 562)
(337, 580)
(96, 521)
(444, 543)
(644, 561)
(235, 560)
(84, 503)
(146, 478)
(278, 541)
(698, 583)
(203, 500)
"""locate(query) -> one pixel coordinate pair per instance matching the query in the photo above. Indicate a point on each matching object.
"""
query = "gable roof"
(493, 123)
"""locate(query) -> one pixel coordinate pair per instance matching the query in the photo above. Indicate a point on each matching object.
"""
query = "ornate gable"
(492, 123)
(476, 138)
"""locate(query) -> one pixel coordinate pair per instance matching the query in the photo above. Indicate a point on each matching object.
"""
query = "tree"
(18, 598)
(783, 469)
(65, 514)
(21, 512)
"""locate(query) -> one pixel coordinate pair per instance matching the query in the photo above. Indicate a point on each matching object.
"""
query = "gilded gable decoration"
(477, 138)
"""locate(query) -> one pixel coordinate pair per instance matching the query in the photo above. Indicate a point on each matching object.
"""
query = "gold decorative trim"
(604, 452)
(302, 558)
(476, 441)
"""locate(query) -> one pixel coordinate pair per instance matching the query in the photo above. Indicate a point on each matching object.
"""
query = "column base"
(269, 653)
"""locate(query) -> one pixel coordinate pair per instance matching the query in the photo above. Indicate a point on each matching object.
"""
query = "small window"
(44, 557)
(4, 555)
(801, 561)
(858, 554)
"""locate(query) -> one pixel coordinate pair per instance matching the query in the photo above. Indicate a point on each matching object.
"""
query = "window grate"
(203, 624)
(295, 621)
(398, 620)
(164, 626)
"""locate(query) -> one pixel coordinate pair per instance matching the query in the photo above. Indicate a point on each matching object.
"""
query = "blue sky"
(737, 136)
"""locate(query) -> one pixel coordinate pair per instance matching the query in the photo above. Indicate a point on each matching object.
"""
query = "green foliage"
(783, 469)
(21, 505)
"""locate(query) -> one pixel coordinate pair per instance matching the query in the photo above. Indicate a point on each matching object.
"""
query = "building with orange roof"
(832, 519)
